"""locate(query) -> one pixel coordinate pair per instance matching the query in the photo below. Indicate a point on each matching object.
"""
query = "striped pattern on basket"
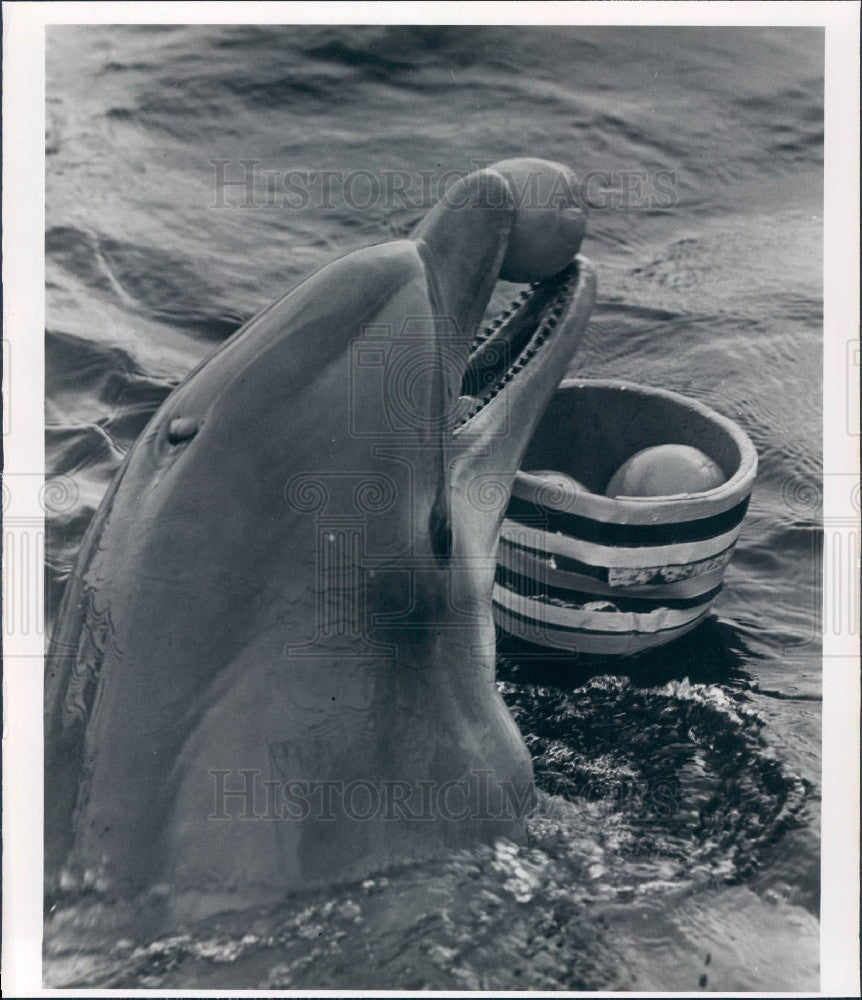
(572, 582)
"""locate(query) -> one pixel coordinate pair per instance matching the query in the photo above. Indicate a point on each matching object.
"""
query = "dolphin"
(273, 667)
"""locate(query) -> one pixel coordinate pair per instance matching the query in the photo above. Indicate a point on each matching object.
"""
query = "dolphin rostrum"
(274, 663)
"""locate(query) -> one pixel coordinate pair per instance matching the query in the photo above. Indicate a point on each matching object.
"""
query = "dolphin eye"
(182, 429)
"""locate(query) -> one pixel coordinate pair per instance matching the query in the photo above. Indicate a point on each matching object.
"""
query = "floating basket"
(588, 573)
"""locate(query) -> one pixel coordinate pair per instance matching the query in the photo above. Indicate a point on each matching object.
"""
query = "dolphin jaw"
(539, 333)
(514, 341)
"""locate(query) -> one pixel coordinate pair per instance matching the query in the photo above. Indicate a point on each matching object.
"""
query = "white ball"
(665, 470)
(548, 226)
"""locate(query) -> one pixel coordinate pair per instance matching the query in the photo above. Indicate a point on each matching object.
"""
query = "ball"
(548, 226)
(665, 470)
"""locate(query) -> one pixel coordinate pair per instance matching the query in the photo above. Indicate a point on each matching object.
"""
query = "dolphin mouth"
(512, 341)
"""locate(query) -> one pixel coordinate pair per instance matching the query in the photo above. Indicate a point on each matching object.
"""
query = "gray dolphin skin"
(274, 664)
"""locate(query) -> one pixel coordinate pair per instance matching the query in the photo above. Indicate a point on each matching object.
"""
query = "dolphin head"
(378, 391)
(292, 572)
(515, 220)
(443, 401)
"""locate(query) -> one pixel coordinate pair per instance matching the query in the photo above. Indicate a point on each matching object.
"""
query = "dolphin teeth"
(549, 317)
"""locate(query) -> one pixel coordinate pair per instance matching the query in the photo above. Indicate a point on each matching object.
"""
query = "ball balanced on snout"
(548, 225)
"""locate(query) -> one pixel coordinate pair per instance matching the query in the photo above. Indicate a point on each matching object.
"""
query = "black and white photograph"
(439, 526)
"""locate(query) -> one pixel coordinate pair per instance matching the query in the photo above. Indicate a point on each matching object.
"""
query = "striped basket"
(583, 572)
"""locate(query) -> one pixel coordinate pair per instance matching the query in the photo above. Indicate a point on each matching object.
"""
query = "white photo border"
(24, 26)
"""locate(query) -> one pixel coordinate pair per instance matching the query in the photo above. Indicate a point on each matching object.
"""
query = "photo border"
(23, 316)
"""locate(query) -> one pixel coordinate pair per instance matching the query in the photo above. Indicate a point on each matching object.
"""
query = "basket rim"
(681, 506)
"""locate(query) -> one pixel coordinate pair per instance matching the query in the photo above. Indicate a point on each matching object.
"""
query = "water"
(676, 841)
